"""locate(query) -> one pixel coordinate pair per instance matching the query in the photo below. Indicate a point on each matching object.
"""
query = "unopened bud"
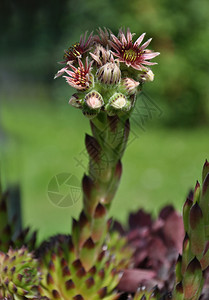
(94, 100)
(75, 101)
(102, 56)
(148, 76)
(130, 85)
(118, 101)
(109, 73)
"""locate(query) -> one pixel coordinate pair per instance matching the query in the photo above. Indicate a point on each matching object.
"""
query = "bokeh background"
(41, 135)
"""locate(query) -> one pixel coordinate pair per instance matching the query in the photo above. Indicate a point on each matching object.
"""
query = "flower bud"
(75, 101)
(102, 56)
(94, 100)
(130, 85)
(118, 101)
(109, 73)
(147, 76)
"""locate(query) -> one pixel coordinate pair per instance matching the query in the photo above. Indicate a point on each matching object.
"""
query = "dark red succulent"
(157, 245)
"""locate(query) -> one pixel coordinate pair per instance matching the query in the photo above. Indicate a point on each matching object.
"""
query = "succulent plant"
(107, 73)
(157, 246)
(195, 253)
(65, 276)
(19, 275)
(156, 249)
(96, 262)
(11, 232)
(143, 294)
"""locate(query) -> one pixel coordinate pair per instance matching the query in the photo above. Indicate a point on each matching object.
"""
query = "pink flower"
(131, 53)
(80, 78)
(103, 37)
(78, 49)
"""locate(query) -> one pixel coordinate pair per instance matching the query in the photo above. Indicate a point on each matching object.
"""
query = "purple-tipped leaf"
(84, 230)
(196, 196)
(178, 292)
(205, 198)
(192, 279)
(91, 195)
(205, 170)
(99, 224)
(178, 269)
(187, 256)
(88, 254)
(204, 261)
(93, 148)
(186, 209)
(197, 230)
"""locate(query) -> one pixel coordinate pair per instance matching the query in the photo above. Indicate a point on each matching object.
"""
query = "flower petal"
(139, 40)
(150, 55)
(116, 40)
(146, 44)
(129, 36)
(60, 72)
(123, 38)
(96, 58)
(148, 63)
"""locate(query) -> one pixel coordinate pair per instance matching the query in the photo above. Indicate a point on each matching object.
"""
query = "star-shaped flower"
(132, 53)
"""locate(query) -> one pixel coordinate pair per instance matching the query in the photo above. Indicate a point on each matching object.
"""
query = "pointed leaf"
(87, 254)
(204, 201)
(187, 256)
(205, 170)
(192, 279)
(186, 209)
(196, 196)
(99, 223)
(178, 269)
(197, 230)
(91, 197)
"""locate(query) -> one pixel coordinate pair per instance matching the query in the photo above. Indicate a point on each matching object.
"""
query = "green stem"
(105, 148)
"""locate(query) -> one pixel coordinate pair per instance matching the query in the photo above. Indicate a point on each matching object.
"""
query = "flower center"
(130, 55)
(80, 77)
(73, 52)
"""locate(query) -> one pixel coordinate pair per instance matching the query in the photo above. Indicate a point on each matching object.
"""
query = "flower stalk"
(107, 72)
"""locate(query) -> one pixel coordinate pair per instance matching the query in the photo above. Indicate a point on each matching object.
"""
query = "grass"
(42, 140)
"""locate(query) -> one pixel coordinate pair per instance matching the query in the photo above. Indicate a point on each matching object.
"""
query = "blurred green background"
(41, 135)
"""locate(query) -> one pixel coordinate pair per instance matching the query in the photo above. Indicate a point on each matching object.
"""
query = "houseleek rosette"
(19, 275)
(65, 276)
